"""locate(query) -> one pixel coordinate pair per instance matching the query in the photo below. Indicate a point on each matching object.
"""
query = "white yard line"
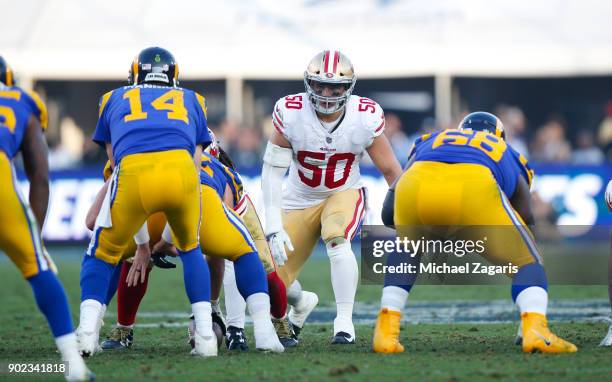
(442, 312)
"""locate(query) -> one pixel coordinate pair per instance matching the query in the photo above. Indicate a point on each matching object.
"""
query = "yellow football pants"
(222, 233)
(19, 237)
(441, 194)
(147, 183)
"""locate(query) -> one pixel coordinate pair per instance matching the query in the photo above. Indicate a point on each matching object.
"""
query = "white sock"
(259, 309)
(294, 293)
(235, 305)
(393, 298)
(344, 277)
(533, 299)
(89, 315)
(67, 346)
(101, 316)
(201, 311)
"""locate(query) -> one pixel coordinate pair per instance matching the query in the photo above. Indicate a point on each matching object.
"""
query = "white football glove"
(609, 195)
(277, 242)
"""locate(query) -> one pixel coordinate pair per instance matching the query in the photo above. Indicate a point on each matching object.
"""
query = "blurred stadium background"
(544, 67)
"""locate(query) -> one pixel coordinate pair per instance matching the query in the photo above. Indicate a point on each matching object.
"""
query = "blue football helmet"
(6, 75)
(154, 66)
(483, 121)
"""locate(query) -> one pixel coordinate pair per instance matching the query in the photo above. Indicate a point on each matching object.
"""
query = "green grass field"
(437, 352)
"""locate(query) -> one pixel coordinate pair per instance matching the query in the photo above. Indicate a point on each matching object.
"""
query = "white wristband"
(142, 236)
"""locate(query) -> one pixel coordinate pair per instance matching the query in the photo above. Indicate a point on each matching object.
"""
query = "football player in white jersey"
(321, 135)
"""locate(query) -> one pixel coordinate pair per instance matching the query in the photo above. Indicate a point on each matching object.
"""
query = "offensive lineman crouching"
(471, 176)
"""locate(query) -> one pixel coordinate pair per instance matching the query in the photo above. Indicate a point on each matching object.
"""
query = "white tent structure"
(259, 39)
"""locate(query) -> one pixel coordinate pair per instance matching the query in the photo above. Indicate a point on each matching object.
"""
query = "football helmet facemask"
(154, 66)
(483, 121)
(6, 74)
(330, 70)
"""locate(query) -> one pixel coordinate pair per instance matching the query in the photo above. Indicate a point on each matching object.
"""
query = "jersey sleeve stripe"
(42, 109)
(103, 102)
(382, 125)
(278, 128)
(202, 102)
(277, 119)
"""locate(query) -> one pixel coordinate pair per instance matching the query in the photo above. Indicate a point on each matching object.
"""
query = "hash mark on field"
(437, 312)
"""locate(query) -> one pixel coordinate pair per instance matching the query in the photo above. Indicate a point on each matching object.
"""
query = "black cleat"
(343, 338)
(296, 330)
(119, 338)
(235, 339)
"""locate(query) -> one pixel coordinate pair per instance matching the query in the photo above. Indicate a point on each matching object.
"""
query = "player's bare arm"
(109, 152)
(382, 155)
(279, 140)
(521, 201)
(34, 151)
(386, 213)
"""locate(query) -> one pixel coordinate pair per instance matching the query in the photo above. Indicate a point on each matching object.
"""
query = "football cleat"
(386, 333)
(217, 326)
(235, 339)
(300, 312)
(268, 342)
(87, 343)
(342, 338)
(607, 342)
(78, 372)
(518, 340)
(205, 346)
(537, 336)
(285, 333)
(119, 337)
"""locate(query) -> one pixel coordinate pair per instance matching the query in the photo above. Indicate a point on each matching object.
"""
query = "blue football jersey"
(148, 118)
(16, 108)
(218, 176)
(477, 147)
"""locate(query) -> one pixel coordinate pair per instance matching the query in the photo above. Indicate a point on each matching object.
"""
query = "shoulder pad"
(372, 116)
(286, 110)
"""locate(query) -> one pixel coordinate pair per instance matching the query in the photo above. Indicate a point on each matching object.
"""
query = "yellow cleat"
(537, 336)
(386, 333)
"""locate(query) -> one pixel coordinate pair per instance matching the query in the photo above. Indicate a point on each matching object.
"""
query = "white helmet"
(329, 67)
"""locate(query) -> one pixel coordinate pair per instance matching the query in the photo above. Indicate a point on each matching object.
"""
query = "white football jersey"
(324, 161)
